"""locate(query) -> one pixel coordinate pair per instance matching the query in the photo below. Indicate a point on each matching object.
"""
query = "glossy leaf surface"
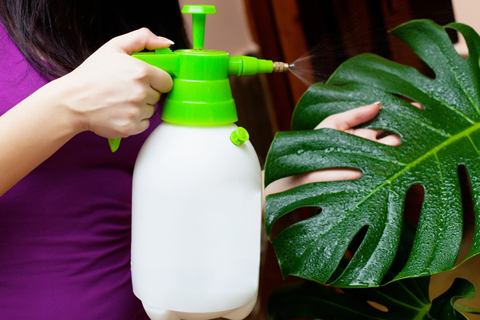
(407, 299)
(435, 142)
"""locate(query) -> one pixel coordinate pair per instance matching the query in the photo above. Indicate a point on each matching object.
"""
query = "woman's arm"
(111, 94)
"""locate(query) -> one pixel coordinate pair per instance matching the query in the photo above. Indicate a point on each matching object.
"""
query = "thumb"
(138, 40)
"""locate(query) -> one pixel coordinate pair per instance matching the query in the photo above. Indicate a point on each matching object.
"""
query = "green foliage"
(435, 142)
(402, 300)
(407, 299)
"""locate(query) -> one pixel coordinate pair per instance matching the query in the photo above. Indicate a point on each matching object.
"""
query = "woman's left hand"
(346, 122)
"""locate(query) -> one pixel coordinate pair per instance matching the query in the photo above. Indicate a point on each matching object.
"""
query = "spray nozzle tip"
(280, 67)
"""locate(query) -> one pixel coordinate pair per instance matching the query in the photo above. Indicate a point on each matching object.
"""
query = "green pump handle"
(201, 93)
(199, 13)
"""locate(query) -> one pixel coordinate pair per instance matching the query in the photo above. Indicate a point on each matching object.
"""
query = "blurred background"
(318, 35)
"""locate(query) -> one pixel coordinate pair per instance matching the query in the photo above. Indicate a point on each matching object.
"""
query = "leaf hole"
(413, 203)
(356, 242)
(468, 212)
(411, 213)
(383, 134)
(467, 199)
(351, 250)
(459, 43)
(291, 218)
(390, 138)
(427, 71)
(377, 306)
(411, 101)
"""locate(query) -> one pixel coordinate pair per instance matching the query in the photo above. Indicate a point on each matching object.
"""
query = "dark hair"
(58, 35)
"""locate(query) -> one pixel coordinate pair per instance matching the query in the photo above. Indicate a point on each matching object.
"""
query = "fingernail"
(379, 103)
(166, 40)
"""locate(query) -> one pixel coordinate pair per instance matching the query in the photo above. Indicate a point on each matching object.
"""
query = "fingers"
(329, 175)
(418, 105)
(160, 80)
(139, 40)
(347, 120)
(113, 93)
(144, 124)
(377, 135)
(311, 177)
(369, 134)
(146, 112)
(391, 140)
(351, 118)
(151, 96)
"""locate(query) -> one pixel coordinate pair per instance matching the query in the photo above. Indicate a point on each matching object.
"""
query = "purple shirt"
(65, 228)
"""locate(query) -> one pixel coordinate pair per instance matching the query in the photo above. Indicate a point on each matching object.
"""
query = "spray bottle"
(197, 191)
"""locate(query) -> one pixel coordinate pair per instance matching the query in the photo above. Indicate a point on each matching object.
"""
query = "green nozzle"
(198, 22)
(244, 65)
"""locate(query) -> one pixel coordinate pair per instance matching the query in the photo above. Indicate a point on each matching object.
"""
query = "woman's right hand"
(111, 93)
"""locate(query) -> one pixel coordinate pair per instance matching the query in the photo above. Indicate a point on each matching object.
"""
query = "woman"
(65, 204)
(68, 83)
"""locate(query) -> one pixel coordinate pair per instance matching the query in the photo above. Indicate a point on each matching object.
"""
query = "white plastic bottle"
(197, 190)
(196, 224)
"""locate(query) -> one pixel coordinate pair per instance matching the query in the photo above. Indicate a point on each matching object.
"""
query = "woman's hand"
(113, 94)
(345, 121)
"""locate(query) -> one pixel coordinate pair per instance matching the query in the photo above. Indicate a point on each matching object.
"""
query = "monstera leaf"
(436, 141)
(401, 300)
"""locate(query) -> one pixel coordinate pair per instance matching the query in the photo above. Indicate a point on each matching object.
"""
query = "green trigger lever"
(114, 144)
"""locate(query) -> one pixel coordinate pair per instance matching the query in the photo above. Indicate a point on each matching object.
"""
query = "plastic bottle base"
(234, 314)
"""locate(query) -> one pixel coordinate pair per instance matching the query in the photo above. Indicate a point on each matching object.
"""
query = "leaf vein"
(407, 167)
(413, 119)
(473, 144)
(434, 150)
(399, 302)
(411, 293)
(341, 306)
(451, 107)
(439, 167)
